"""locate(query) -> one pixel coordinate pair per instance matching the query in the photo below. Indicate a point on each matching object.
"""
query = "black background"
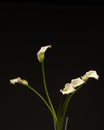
(76, 33)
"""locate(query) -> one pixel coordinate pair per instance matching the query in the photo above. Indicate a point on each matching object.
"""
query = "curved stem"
(63, 109)
(68, 98)
(47, 94)
(38, 94)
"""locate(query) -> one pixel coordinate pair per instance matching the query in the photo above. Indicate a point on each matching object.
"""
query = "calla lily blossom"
(69, 90)
(18, 80)
(41, 52)
(70, 87)
(90, 74)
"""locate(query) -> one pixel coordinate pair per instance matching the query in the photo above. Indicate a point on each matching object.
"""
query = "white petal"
(18, 80)
(40, 53)
(90, 74)
(13, 81)
(43, 49)
(67, 89)
(77, 82)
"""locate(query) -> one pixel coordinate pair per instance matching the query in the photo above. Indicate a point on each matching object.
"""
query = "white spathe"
(67, 89)
(90, 74)
(41, 52)
(77, 82)
(70, 87)
(18, 80)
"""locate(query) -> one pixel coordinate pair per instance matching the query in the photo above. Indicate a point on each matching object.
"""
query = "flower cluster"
(69, 90)
(71, 87)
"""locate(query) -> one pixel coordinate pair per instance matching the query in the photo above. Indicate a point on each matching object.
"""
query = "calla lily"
(18, 80)
(41, 52)
(90, 74)
(76, 82)
(70, 87)
(67, 89)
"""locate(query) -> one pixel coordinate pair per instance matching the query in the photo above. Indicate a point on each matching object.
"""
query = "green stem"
(68, 98)
(63, 109)
(38, 94)
(47, 94)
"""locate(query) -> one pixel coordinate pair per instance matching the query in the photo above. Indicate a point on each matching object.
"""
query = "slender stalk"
(38, 94)
(47, 94)
(63, 109)
(68, 98)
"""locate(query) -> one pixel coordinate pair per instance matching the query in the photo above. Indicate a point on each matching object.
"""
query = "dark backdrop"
(76, 33)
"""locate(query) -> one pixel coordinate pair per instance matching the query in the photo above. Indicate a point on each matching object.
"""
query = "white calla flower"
(67, 89)
(77, 82)
(90, 74)
(70, 87)
(41, 52)
(13, 81)
(18, 80)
